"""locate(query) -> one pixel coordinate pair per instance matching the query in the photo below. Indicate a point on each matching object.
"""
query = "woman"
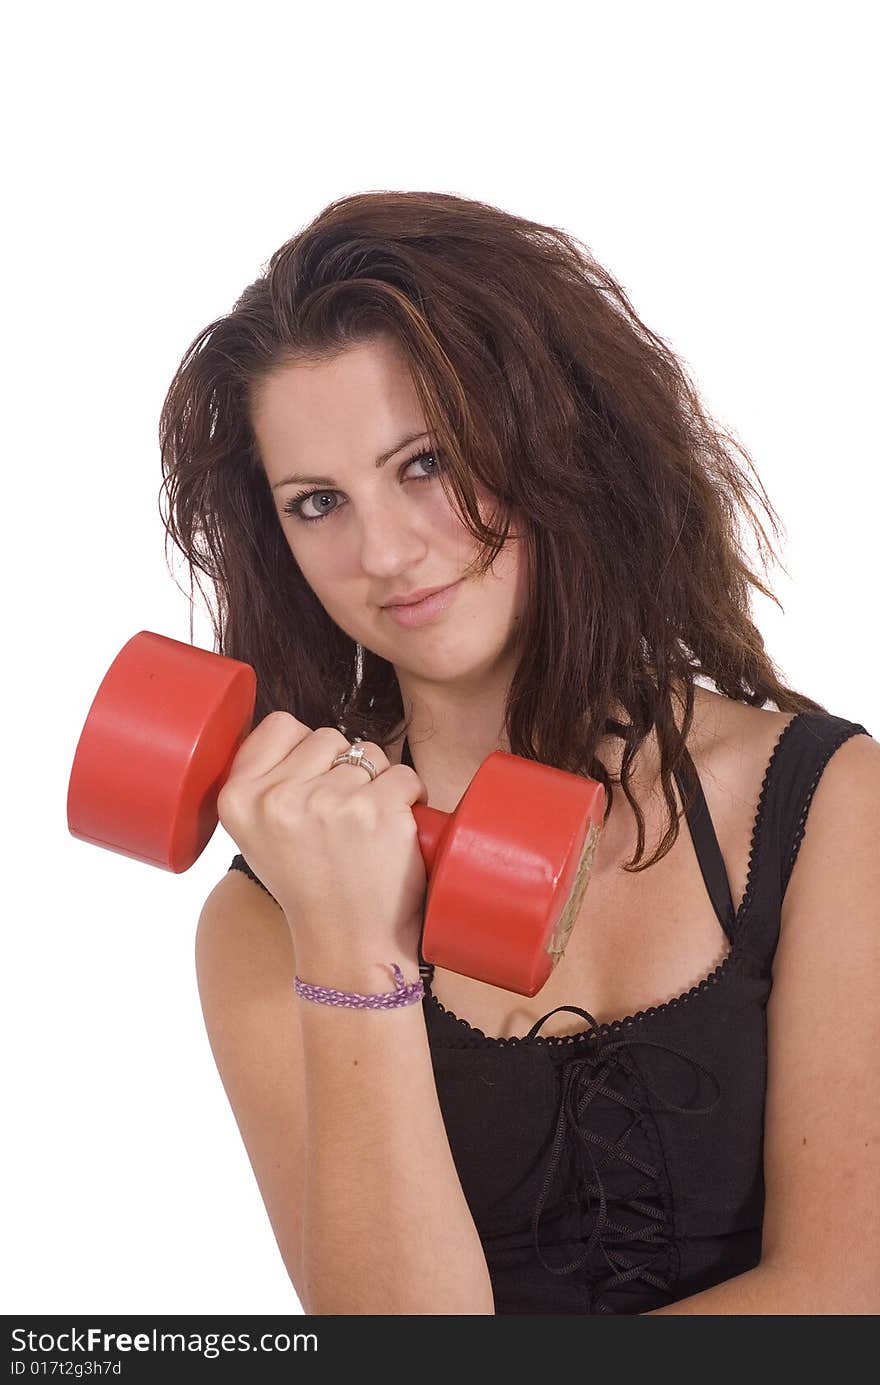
(424, 392)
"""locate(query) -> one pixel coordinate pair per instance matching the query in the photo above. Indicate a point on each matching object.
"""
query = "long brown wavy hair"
(537, 377)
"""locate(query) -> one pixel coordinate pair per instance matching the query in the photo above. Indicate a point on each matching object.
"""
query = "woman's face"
(363, 534)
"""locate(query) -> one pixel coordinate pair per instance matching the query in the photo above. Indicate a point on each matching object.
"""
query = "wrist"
(404, 994)
(353, 971)
(327, 956)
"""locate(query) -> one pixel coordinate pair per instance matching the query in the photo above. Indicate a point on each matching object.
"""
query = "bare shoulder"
(837, 858)
(733, 742)
(843, 816)
(245, 967)
(239, 922)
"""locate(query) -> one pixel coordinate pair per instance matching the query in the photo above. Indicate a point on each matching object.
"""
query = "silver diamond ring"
(356, 757)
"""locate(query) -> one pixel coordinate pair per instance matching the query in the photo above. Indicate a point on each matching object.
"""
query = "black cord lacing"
(585, 1076)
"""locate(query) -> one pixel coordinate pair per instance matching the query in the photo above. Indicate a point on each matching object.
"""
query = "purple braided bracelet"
(389, 1000)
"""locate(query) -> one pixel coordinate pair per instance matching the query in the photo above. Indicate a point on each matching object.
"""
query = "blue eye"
(294, 505)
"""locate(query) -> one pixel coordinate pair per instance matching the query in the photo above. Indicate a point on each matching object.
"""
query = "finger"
(398, 785)
(357, 775)
(278, 736)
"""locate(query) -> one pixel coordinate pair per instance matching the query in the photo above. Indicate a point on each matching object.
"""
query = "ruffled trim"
(482, 1040)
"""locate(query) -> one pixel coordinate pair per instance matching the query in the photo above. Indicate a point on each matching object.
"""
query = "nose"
(392, 540)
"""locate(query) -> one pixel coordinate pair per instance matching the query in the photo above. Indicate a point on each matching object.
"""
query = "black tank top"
(619, 1169)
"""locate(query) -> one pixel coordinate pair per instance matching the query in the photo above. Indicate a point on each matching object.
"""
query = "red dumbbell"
(507, 870)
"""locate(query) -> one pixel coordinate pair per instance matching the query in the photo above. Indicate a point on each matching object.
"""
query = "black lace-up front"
(638, 1214)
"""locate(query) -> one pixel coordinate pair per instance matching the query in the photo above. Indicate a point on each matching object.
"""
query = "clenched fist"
(338, 851)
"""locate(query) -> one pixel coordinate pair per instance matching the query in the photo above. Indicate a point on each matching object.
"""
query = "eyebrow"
(383, 457)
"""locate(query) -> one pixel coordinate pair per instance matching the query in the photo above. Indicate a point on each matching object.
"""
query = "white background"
(717, 159)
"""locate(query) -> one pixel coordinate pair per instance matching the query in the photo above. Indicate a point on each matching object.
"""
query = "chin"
(451, 663)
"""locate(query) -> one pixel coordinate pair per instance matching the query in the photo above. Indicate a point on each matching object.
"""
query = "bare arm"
(339, 1114)
(386, 1225)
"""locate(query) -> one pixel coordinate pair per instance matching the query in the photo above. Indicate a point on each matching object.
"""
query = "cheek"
(447, 519)
(509, 569)
(321, 566)
(514, 557)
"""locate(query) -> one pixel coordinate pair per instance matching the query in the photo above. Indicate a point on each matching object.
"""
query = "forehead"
(323, 421)
(366, 385)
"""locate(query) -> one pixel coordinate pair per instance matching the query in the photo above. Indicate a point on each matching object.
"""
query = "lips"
(421, 595)
(429, 608)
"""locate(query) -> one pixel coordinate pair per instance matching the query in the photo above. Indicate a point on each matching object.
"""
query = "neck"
(449, 743)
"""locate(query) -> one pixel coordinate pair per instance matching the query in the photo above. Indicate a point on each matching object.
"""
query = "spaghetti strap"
(705, 842)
